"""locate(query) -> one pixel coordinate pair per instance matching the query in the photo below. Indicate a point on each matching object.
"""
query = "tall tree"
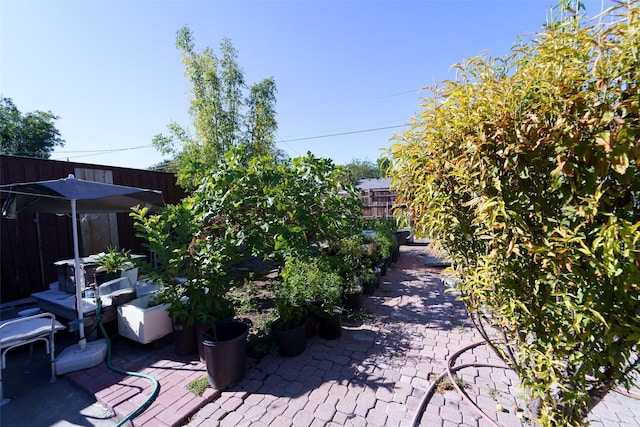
(32, 134)
(222, 116)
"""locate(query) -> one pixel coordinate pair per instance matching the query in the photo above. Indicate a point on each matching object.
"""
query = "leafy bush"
(245, 207)
(274, 209)
(526, 170)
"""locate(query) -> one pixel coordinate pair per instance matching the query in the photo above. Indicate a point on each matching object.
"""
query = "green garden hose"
(156, 385)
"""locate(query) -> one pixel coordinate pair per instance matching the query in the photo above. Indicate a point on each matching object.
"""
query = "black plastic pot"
(101, 277)
(395, 255)
(291, 341)
(403, 236)
(353, 300)
(383, 269)
(201, 329)
(330, 327)
(184, 338)
(369, 287)
(225, 349)
(311, 326)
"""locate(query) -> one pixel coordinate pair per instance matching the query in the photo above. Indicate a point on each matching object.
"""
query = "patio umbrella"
(72, 195)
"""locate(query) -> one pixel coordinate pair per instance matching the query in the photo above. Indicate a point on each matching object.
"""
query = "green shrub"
(526, 170)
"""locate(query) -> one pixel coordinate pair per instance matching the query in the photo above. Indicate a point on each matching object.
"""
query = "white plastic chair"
(27, 330)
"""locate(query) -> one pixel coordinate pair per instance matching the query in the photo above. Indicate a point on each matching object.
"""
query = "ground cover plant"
(526, 171)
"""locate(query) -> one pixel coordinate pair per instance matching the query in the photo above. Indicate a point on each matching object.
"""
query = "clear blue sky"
(111, 71)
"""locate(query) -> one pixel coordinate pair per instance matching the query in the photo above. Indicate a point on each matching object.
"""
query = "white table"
(87, 264)
(63, 304)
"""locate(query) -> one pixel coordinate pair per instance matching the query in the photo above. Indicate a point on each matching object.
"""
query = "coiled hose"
(450, 370)
(156, 385)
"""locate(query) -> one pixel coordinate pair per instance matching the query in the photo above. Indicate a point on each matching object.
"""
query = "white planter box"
(143, 324)
(131, 274)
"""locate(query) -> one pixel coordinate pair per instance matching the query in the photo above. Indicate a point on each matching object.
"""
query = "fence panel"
(31, 244)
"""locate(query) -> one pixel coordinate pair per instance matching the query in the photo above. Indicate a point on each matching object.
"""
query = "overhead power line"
(88, 153)
(111, 150)
(341, 133)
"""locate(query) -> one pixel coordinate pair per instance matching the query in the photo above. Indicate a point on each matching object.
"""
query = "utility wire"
(341, 133)
(111, 150)
(89, 153)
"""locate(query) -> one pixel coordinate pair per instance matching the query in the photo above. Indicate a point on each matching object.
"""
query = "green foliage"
(168, 235)
(247, 206)
(328, 290)
(351, 256)
(367, 275)
(362, 169)
(294, 292)
(32, 134)
(257, 206)
(198, 386)
(113, 260)
(383, 165)
(322, 283)
(385, 237)
(223, 116)
(260, 341)
(526, 170)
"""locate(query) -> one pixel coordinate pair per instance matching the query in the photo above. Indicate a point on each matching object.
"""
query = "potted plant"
(292, 294)
(351, 257)
(352, 294)
(325, 290)
(368, 278)
(209, 306)
(111, 264)
(225, 350)
(222, 341)
(168, 235)
(386, 244)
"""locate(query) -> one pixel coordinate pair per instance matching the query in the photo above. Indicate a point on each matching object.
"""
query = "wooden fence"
(31, 244)
(378, 203)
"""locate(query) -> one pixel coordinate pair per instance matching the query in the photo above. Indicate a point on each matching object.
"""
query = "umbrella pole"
(82, 355)
(79, 276)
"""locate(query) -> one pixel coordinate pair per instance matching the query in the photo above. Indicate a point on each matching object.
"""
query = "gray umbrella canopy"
(72, 195)
(91, 197)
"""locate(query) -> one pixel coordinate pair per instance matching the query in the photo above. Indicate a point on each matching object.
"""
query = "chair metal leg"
(52, 353)
(3, 401)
